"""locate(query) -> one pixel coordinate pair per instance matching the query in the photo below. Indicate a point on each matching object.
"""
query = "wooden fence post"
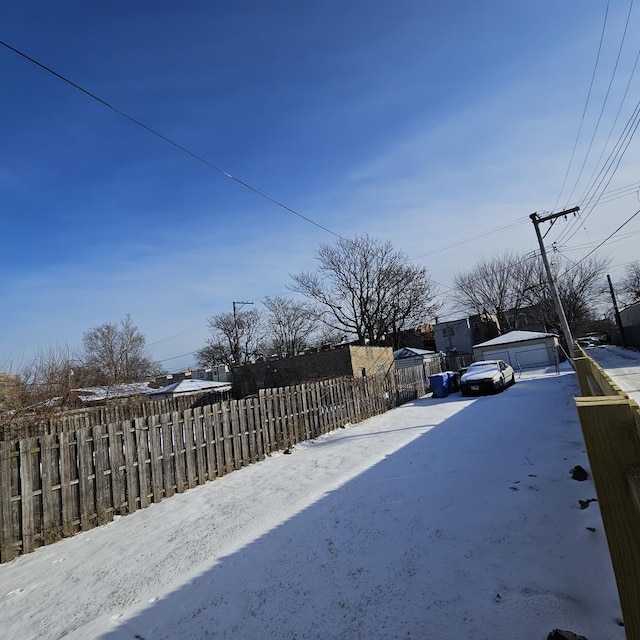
(613, 446)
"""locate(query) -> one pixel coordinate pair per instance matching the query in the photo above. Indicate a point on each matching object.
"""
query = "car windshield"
(482, 366)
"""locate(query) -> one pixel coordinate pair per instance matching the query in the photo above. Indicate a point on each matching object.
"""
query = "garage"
(521, 349)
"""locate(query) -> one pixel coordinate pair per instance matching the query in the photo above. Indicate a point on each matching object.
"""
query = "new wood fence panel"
(613, 446)
(118, 468)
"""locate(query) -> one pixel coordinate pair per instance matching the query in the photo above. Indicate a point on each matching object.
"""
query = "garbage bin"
(439, 385)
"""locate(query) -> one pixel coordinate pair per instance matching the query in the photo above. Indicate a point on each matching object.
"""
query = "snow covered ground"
(442, 519)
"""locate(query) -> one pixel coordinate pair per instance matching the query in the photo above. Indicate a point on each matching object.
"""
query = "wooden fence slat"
(219, 438)
(155, 453)
(27, 446)
(51, 506)
(168, 456)
(227, 437)
(190, 448)
(270, 421)
(244, 435)
(86, 477)
(258, 421)
(69, 504)
(177, 432)
(210, 442)
(144, 461)
(198, 426)
(7, 547)
(131, 466)
(116, 455)
(247, 409)
(104, 500)
(235, 434)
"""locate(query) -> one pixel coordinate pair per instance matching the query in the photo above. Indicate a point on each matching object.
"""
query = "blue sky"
(422, 123)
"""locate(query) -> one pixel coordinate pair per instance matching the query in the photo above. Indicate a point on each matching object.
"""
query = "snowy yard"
(446, 519)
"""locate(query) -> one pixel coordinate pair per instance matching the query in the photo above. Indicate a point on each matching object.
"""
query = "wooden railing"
(611, 427)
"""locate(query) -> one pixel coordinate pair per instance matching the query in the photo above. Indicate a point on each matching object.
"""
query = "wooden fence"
(57, 484)
(611, 428)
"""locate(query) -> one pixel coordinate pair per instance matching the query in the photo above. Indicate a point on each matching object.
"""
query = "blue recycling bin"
(439, 385)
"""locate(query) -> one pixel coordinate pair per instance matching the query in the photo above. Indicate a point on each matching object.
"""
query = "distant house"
(190, 387)
(521, 349)
(457, 337)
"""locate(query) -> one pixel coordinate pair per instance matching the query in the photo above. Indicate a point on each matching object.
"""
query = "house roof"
(411, 352)
(191, 385)
(125, 390)
(515, 336)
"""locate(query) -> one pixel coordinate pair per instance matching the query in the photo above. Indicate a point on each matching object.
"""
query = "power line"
(586, 104)
(168, 140)
(627, 221)
(604, 103)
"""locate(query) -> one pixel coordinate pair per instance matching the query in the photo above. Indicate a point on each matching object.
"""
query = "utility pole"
(536, 219)
(236, 329)
(617, 312)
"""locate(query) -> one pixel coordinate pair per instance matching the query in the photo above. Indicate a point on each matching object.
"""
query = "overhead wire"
(604, 103)
(586, 105)
(168, 140)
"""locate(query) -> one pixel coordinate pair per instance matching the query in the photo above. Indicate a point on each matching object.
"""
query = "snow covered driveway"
(444, 519)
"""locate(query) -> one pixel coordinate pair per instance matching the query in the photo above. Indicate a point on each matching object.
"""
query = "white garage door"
(521, 356)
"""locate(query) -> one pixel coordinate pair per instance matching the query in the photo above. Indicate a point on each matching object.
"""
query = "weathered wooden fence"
(611, 428)
(57, 484)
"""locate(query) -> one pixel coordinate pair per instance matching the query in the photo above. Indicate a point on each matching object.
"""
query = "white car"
(487, 376)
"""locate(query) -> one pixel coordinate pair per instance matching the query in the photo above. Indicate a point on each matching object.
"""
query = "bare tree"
(290, 323)
(630, 285)
(118, 353)
(506, 284)
(234, 339)
(582, 288)
(40, 388)
(367, 288)
(497, 285)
